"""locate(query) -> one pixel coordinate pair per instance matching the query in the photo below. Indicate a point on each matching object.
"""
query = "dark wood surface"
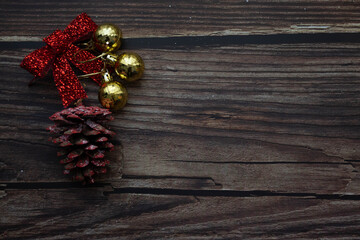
(246, 124)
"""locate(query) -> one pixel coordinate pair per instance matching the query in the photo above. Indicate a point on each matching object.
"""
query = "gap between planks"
(109, 190)
(8, 42)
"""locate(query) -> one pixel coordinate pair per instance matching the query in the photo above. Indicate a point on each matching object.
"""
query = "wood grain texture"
(140, 216)
(21, 20)
(245, 126)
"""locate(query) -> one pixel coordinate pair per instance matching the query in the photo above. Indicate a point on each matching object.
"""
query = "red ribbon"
(57, 54)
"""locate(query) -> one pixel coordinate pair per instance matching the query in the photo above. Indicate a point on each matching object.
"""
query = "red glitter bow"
(56, 54)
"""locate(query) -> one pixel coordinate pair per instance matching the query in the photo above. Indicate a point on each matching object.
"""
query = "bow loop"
(58, 41)
(80, 27)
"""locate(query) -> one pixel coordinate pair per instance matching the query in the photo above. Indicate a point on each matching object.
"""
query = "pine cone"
(84, 139)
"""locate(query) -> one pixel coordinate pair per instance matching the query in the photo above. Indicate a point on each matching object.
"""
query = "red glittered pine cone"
(80, 131)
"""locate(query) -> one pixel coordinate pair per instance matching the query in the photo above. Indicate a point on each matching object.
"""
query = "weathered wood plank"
(87, 213)
(23, 20)
(229, 115)
(162, 172)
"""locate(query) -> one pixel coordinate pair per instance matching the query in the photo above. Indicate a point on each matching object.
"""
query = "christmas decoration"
(128, 66)
(81, 132)
(57, 54)
(112, 94)
(107, 38)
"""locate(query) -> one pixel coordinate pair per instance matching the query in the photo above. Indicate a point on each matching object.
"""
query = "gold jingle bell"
(107, 38)
(129, 66)
(112, 95)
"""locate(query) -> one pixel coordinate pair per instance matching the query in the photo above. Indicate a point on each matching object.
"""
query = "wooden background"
(245, 126)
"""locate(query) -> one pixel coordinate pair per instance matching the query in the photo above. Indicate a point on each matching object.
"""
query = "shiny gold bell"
(129, 66)
(112, 95)
(107, 38)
